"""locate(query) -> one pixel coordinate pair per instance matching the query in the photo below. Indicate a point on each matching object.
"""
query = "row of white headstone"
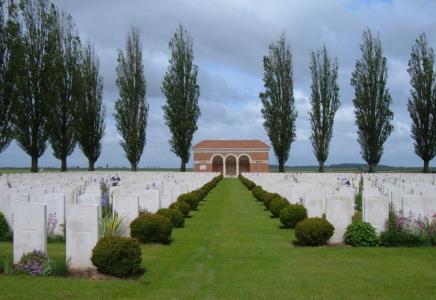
(36, 205)
(333, 195)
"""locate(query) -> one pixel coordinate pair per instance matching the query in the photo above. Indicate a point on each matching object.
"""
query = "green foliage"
(256, 191)
(267, 197)
(392, 238)
(361, 234)
(372, 100)
(6, 84)
(89, 117)
(357, 216)
(35, 263)
(313, 232)
(181, 206)
(422, 102)
(291, 215)
(277, 204)
(151, 228)
(64, 82)
(190, 199)
(248, 183)
(175, 216)
(358, 197)
(325, 102)
(55, 238)
(32, 57)
(117, 256)
(5, 230)
(278, 110)
(110, 225)
(131, 109)
(180, 87)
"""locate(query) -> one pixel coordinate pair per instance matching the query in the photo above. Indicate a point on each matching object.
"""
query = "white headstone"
(127, 207)
(30, 229)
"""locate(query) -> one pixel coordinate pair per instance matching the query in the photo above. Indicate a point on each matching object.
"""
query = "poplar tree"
(6, 82)
(131, 110)
(278, 110)
(181, 111)
(64, 80)
(34, 57)
(325, 102)
(372, 100)
(90, 111)
(422, 102)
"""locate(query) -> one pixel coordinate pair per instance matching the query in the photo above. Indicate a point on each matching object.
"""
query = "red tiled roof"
(232, 144)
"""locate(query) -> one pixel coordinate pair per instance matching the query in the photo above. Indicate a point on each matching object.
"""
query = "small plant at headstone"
(291, 215)
(151, 228)
(35, 263)
(313, 232)
(361, 234)
(117, 256)
(110, 225)
(5, 230)
(277, 204)
(175, 216)
(181, 206)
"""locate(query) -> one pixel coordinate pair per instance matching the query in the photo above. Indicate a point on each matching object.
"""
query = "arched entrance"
(217, 164)
(230, 165)
(244, 164)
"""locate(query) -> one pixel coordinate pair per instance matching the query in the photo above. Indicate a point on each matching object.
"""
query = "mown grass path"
(232, 249)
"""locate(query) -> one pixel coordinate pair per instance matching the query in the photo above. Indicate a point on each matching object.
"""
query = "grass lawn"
(232, 249)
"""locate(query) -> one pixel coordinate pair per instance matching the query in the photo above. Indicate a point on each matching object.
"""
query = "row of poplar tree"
(51, 88)
(372, 100)
(51, 91)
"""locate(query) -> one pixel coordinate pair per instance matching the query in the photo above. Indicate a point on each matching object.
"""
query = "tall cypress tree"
(181, 111)
(34, 57)
(131, 110)
(422, 102)
(90, 111)
(278, 110)
(372, 100)
(64, 80)
(325, 102)
(6, 82)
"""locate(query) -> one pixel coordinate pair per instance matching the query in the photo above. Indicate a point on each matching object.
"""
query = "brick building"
(231, 157)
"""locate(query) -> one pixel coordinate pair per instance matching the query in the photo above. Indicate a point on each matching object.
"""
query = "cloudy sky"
(230, 39)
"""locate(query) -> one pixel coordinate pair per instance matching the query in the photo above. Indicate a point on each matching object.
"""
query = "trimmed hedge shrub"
(181, 206)
(256, 191)
(291, 215)
(313, 232)
(175, 216)
(392, 238)
(117, 256)
(268, 197)
(151, 228)
(248, 183)
(277, 204)
(190, 199)
(5, 230)
(361, 234)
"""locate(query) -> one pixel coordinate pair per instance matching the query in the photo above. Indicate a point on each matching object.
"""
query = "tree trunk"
(133, 167)
(64, 164)
(426, 168)
(371, 168)
(321, 167)
(182, 166)
(34, 168)
(281, 165)
(90, 165)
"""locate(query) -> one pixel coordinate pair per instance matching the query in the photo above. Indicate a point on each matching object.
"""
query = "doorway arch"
(231, 165)
(244, 164)
(217, 164)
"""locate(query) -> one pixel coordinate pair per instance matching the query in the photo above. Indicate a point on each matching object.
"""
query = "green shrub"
(5, 230)
(175, 216)
(291, 215)
(267, 197)
(277, 204)
(357, 217)
(361, 234)
(313, 232)
(117, 256)
(392, 238)
(256, 191)
(151, 228)
(181, 206)
(190, 199)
